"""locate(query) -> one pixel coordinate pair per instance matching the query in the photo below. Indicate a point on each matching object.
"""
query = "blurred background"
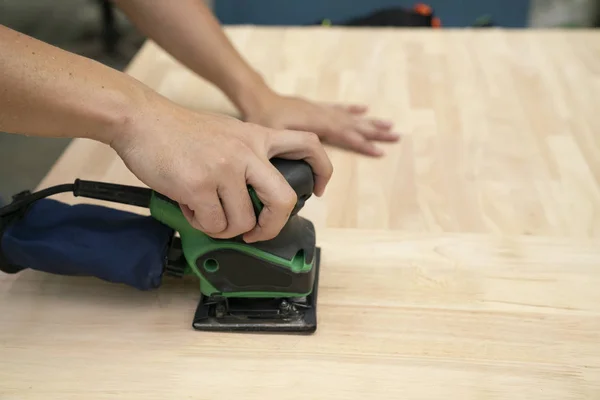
(96, 29)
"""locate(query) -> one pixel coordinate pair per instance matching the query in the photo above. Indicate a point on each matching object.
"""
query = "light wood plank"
(399, 315)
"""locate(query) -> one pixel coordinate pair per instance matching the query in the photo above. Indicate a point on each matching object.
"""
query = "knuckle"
(262, 131)
(213, 220)
(286, 199)
(290, 198)
(329, 167)
(221, 163)
(267, 137)
(312, 139)
(217, 221)
(244, 224)
(199, 183)
(239, 153)
(257, 131)
(248, 222)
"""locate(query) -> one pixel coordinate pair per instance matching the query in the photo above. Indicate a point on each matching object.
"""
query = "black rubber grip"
(299, 175)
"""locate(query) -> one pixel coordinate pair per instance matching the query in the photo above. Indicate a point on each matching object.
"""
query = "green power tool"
(268, 286)
(264, 286)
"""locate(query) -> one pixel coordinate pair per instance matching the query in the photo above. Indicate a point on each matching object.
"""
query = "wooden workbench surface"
(465, 264)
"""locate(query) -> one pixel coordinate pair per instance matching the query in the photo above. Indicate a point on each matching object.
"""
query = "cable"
(131, 195)
(30, 198)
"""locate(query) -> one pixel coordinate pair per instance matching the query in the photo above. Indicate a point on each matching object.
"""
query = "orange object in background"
(423, 9)
(427, 11)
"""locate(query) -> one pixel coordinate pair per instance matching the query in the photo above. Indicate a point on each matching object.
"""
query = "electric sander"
(268, 286)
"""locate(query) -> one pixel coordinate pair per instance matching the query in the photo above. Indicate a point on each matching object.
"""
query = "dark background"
(454, 13)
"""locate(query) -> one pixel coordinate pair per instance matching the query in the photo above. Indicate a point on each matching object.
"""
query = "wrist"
(251, 95)
(126, 108)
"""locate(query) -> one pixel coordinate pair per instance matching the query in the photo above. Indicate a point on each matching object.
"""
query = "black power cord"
(132, 195)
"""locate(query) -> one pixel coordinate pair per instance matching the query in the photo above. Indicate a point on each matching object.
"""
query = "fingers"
(222, 211)
(353, 109)
(207, 213)
(372, 130)
(381, 124)
(357, 142)
(278, 200)
(360, 109)
(303, 145)
(237, 207)
(356, 109)
(381, 136)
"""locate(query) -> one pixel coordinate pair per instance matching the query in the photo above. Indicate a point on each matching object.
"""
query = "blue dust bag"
(86, 240)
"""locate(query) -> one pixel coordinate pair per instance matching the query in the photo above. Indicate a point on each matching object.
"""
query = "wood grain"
(500, 127)
(400, 314)
(465, 264)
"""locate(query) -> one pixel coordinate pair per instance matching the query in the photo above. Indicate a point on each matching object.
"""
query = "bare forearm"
(45, 91)
(188, 30)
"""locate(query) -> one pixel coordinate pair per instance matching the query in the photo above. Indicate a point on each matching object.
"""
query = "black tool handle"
(299, 175)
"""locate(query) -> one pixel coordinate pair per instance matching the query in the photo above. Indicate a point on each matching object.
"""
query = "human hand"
(342, 126)
(205, 162)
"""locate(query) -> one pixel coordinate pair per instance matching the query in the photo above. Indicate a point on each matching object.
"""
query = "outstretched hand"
(346, 127)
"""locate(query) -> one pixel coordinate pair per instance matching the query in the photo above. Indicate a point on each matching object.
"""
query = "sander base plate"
(270, 315)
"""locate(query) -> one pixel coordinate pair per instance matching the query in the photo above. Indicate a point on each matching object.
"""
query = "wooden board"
(465, 264)
(399, 315)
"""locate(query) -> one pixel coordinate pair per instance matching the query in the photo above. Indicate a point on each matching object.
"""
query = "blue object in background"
(89, 240)
(457, 13)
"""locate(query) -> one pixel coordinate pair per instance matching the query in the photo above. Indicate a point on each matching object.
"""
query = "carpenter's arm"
(45, 91)
(188, 30)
